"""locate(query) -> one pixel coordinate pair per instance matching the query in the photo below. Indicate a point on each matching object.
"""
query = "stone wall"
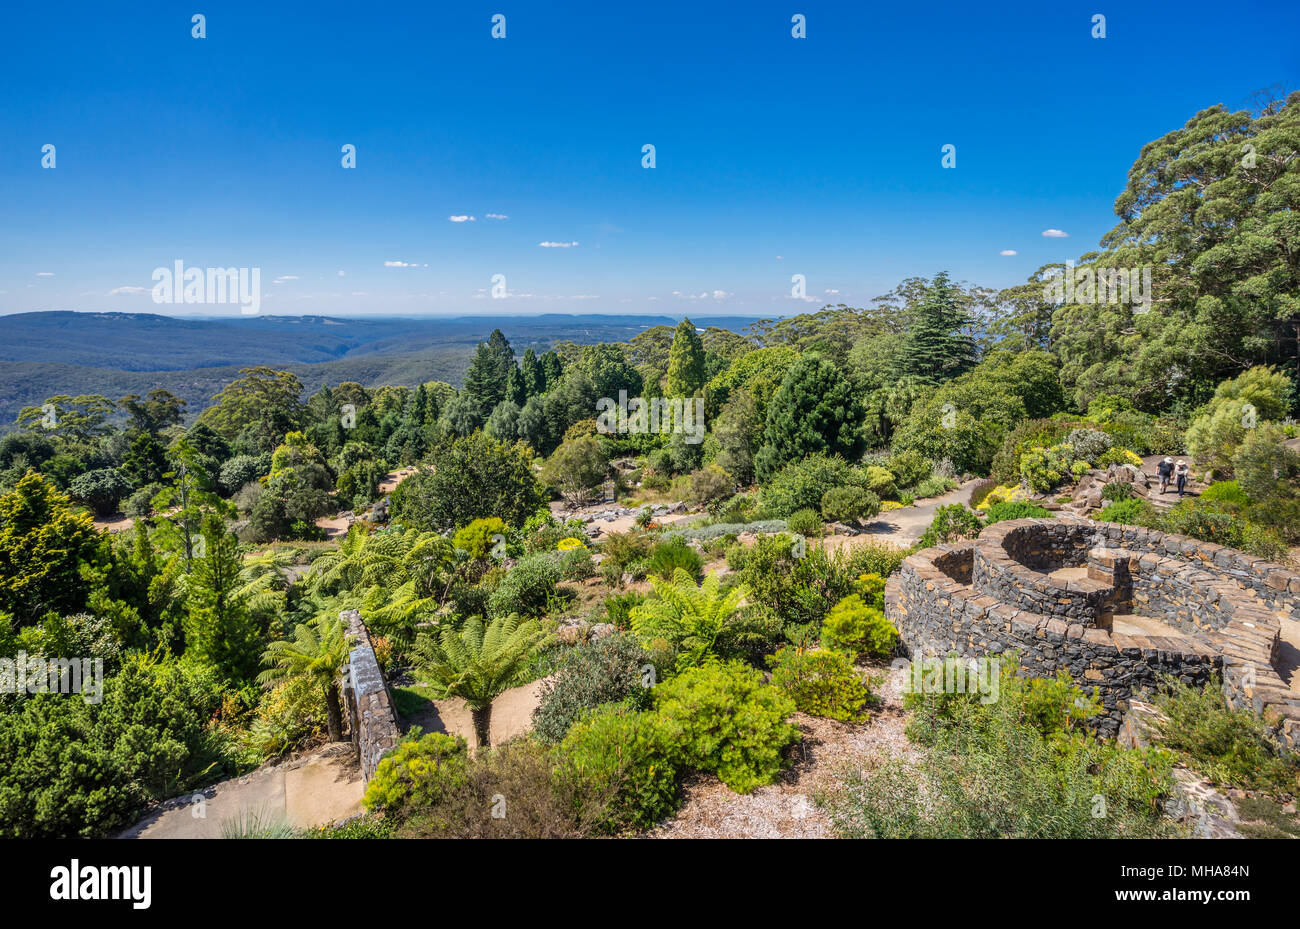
(1001, 572)
(370, 705)
(1008, 603)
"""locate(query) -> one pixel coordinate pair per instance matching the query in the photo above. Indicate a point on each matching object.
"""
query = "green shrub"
(708, 485)
(1015, 767)
(618, 608)
(576, 564)
(805, 523)
(619, 767)
(1046, 468)
(673, 553)
(478, 538)
(861, 630)
(821, 683)
(723, 719)
(1116, 491)
(421, 771)
(1014, 509)
(69, 768)
(1130, 512)
(1225, 492)
(801, 484)
(909, 467)
(736, 555)
(934, 487)
(606, 670)
(527, 588)
(1231, 747)
(950, 523)
(849, 504)
(622, 548)
(878, 480)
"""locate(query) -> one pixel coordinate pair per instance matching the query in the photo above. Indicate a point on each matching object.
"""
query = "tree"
(160, 410)
(1239, 404)
(609, 371)
(261, 407)
(1265, 467)
(686, 368)
(79, 419)
(43, 546)
(814, 410)
(219, 630)
(146, 462)
(101, 489)
(470, 478)
(317, 653)
(1209, 209)
(577, 468)
(488, 374)
(479, 662)
(534, 380)
(936, 348)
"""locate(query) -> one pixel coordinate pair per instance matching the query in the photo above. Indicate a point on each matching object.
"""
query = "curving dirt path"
(905, 526)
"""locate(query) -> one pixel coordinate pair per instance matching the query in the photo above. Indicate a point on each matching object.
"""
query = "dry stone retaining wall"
(370, 705)
(992, 595)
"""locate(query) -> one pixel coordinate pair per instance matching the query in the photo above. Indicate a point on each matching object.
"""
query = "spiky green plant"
(688, 617)
(317, 651)
(478, 662)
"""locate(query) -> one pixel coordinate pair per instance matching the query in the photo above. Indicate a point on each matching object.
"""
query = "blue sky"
(775, 156)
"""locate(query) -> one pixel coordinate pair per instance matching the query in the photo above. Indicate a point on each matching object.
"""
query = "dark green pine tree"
(515, 392)
(938, 345)
(419, 412)
(552, 370)
(686, 368)
(504, 356)
(814, 410)
(485, 381)
(533, 377)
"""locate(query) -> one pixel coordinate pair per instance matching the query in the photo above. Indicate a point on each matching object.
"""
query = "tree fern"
(478, 662)
(689, 618)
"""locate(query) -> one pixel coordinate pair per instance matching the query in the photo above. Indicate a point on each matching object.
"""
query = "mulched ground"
(786, 809)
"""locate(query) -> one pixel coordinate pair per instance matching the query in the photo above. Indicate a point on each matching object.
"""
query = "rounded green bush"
(858, 629)
(620, 769)
(723, 718)
(821, 682)
(805, 523)
(419, 772)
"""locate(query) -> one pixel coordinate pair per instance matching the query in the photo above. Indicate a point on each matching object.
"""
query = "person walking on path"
(1165, 470)
(1180, 476)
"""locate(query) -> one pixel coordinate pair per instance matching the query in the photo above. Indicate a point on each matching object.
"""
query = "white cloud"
(1055, 234)
(399, 264)
(341, 274)
(557, 244)
(831, 291)
(1009, 252)
(461, 219)
(286, 277)
(128, 290)
(45, 274)
(496, 215)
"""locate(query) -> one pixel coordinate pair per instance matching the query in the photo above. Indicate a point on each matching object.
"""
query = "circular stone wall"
(1221, 608)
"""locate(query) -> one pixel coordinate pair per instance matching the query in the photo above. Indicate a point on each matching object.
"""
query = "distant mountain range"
(62, 352)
